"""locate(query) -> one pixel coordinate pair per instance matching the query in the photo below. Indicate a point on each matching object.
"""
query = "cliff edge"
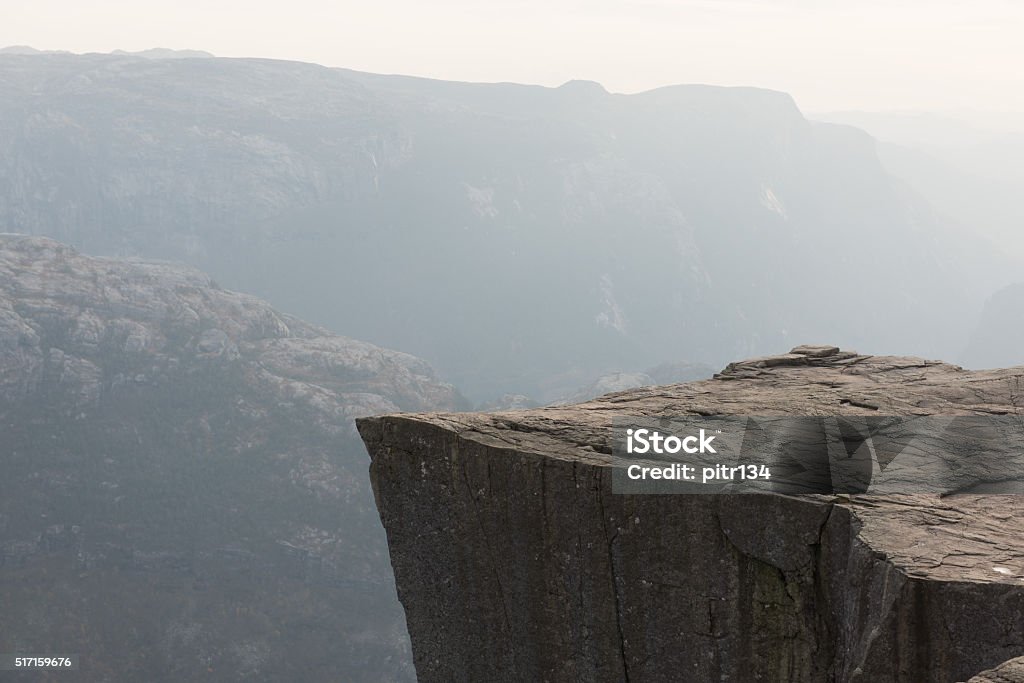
(516, 562)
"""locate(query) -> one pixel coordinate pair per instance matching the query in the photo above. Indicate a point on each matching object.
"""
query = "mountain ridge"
(183, 489)
(463, 203)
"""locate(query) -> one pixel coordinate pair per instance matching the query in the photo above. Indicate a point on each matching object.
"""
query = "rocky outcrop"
(183, 494)
(1007, 672)
(515, 561)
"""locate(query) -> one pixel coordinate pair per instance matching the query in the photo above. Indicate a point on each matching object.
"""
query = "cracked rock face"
(515, 561)
(183, 491)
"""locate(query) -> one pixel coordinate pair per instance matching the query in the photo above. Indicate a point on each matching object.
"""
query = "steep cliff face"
(183, 494)
(515, 561)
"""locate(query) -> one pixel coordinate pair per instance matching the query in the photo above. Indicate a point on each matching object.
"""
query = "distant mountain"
(183, 495)
(666, 373)
(998, 339)
(970, 173)
(164, 53)
(979, 188)
(153, 53)
(29, 50)
(920, 130)
(523, 239)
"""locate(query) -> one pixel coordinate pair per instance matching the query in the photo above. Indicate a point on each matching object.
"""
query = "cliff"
(515, 561)
(183, 493)
(678, 224)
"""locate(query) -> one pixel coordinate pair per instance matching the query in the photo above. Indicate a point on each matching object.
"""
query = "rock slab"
(516, 562)
(1007, 672)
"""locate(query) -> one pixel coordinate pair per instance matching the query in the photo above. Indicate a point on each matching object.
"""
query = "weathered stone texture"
(1007, 672)
(516, 562)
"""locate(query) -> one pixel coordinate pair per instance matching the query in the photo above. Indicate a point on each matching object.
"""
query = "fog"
(911, 54)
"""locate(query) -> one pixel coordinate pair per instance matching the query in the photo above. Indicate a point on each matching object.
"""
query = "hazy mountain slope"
(998, 340)
(182, 490)
(969, 172)
(973, 175)
(523, 239)
(982, 199)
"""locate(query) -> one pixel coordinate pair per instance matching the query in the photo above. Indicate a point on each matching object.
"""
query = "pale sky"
(936, 55)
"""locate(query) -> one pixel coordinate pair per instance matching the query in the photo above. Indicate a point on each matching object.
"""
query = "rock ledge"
(515, 561)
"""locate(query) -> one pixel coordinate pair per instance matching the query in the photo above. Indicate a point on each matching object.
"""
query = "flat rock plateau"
(515, 561)
(183, 492)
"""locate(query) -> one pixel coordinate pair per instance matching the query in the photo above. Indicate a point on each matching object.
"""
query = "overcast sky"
(830, 54)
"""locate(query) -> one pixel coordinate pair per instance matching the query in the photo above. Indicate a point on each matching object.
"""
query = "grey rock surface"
(1007, 672)
(516, 562)
(183, 494)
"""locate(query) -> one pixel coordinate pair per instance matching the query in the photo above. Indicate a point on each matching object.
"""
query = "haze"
(904, 55)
